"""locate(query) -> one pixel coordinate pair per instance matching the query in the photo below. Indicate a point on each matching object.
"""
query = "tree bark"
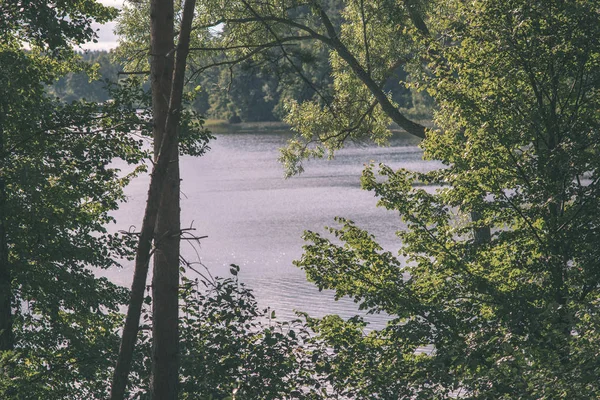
(165, 283)
(158, 178)
(159, 183)
(165, 278)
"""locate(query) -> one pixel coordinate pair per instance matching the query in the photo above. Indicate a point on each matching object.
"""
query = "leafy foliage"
(517, 88)
(517, 123)
(62, 184)
(241, 70)
(53, 26)
(230, 348)
(61, 188)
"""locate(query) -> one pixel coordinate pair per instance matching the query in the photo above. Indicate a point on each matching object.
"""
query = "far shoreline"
(221, 126)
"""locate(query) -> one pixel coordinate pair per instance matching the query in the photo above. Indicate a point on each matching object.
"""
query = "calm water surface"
(253, 217)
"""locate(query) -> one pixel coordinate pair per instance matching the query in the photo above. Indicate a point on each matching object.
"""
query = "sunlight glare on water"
(254, 217)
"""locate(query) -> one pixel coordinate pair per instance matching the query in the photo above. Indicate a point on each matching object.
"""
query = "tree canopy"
(516, 85)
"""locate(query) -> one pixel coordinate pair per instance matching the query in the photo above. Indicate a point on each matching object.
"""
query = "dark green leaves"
(54, 26)
(517, 125)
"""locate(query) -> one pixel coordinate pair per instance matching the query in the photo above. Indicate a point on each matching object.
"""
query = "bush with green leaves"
(58, 189)
(231, 348)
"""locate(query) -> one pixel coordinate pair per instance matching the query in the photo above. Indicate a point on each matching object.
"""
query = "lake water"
(237, 196)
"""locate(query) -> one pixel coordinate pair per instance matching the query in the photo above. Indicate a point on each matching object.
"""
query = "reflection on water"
(236, 194)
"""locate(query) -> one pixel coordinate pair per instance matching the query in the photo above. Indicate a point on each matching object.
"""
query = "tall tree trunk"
(165, 279)
(481, 234)
(159, 184)
(6, 334)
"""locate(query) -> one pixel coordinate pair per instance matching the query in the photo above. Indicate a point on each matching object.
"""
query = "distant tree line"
(91, 86)
(247, 92)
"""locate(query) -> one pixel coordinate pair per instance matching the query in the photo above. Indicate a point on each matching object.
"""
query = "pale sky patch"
(106, 37)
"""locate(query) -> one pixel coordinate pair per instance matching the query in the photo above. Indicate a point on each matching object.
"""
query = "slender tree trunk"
(158, 178)
(6, 334)
(165, 278)
(159, 183)
(165, 284)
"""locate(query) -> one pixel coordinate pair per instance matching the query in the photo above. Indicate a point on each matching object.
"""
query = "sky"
(106, 38)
